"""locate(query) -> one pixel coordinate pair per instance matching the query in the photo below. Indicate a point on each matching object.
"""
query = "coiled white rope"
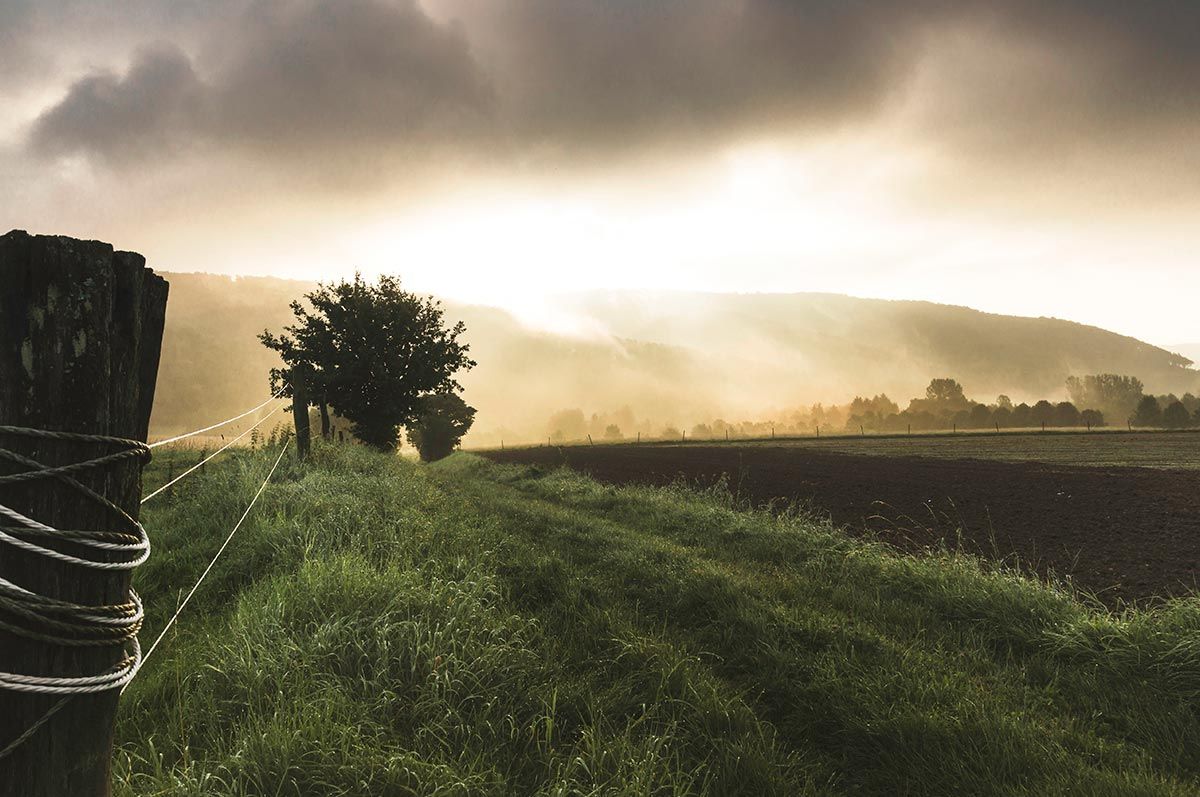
(29, 614)
(116, 623)
(179, 437)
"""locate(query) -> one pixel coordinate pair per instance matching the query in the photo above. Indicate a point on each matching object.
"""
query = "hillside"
(830, 342)
(668, 358)
(1189, 350)
(380, 627)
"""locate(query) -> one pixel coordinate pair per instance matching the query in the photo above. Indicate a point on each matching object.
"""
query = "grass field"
(379, 627)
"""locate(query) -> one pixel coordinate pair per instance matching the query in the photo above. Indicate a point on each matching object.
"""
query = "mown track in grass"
(387, 628)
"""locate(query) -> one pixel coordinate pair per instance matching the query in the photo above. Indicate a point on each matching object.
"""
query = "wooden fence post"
(80, 338)
(300, 383)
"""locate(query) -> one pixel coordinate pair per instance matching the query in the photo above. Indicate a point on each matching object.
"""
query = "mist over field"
(646, 362)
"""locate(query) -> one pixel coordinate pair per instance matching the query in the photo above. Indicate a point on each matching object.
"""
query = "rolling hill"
(668, 358)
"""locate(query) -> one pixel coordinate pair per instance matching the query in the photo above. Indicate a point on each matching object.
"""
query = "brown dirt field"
(1123, 533)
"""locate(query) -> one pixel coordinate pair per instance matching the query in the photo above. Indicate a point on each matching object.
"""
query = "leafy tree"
(981, 417)
(613, 432)
(1042, 413)
(1176, 416)
(1002, 417)
(944, 398)
(945, 391)
(441, 422)
(568, 425)
(1066, 414)
(375, 351)
(1092, 418)
(1022, 415)
(1148, 412)
(1113, 394)
(1004, 402)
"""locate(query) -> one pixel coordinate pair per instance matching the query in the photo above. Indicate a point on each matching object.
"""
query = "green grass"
(380, 627)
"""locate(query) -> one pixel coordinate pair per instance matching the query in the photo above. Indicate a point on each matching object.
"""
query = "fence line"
(221, 550)
(192, 469)
(179, 437)
(124, 619)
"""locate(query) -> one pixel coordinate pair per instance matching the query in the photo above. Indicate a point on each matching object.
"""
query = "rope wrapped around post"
(32, 615)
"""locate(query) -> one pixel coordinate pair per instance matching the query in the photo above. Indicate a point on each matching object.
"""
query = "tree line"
(1095, 401)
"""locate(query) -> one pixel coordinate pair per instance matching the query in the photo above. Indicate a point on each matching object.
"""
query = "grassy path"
(383, 628)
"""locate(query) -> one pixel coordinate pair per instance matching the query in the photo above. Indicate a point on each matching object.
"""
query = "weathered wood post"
(300, 382)
(80, 337)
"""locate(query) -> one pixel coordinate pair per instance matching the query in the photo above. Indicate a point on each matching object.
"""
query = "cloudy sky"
(1037, 157)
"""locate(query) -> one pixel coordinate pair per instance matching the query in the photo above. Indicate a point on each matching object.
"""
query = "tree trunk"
(325, 433)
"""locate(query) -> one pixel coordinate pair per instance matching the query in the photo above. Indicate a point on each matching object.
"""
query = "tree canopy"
(375, 351)
(1148, 412)
(1116, 395)
(441, 423)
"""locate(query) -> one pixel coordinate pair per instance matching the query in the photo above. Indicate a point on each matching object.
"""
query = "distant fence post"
(300, 384)
(80, 339)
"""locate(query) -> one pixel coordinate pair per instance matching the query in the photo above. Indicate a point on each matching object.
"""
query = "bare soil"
(1124, 533)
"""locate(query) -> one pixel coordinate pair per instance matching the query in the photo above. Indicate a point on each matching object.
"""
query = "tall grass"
(384, 628)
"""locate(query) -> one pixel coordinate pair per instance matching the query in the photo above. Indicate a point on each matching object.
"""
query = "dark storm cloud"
(583, 79)
(281, 78)
(601, 70)
(157, 104)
